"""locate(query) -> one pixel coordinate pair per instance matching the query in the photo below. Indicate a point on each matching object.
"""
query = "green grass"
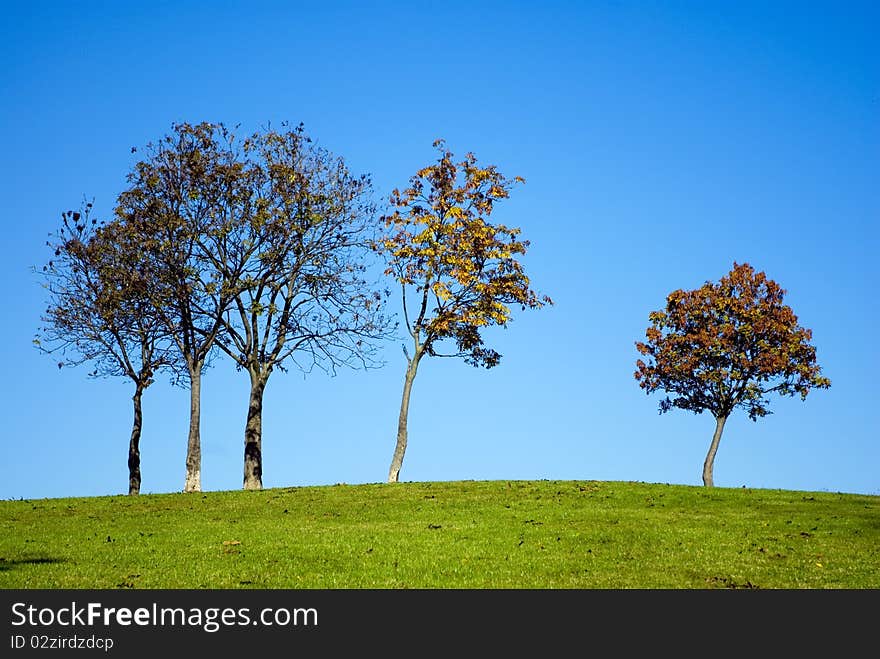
(468, 534)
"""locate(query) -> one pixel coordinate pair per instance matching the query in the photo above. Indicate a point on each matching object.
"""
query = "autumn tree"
(458, 273)
(727, 345)
(98, 314)
(295, 255)
(175, 217)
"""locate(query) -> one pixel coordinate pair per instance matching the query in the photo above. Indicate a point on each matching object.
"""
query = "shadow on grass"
(6, 564)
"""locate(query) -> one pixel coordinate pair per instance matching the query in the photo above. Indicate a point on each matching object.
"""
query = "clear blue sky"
(660, 142)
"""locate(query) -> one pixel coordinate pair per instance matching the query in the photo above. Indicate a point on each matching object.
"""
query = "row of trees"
(261, 249)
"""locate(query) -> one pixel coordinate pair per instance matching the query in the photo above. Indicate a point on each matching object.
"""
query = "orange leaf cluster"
(463, 268)
(727, 344)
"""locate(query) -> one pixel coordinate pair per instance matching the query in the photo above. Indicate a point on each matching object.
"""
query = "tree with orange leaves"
(459, 272)
(726, 345)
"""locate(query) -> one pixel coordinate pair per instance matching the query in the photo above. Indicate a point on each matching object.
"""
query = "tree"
(296, 262)
(98, 313)
(176, 213)
(726, 345)
(462, 271)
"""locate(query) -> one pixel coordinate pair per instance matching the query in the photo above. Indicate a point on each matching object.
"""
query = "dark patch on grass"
(725, 582)
(7, 564)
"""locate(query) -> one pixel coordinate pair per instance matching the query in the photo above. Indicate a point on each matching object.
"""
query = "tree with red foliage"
(726, 345)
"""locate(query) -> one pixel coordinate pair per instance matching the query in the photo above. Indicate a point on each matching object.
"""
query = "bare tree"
(175, 213)
(298, 264)
(256, 247)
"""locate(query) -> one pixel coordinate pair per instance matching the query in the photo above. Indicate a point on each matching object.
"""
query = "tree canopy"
(255, 246)
(458, 273)
(174, 221)
(725, 345)
(99, 313)
(294, 255)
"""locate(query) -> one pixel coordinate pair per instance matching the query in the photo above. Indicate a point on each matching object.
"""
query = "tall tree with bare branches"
(176, 214)
(297, 261)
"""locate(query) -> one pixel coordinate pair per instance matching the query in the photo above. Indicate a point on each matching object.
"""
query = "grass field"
(432, 535)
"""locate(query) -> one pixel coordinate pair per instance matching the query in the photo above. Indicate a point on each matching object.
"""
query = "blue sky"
(660, 143)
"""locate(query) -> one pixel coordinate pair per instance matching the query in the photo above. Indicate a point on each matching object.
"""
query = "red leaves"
(728, 344)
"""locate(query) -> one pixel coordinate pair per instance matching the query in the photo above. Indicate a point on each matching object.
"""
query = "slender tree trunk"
(400, 448)
(713, 449)
(253, 435)
(193, 481)
(134, 450)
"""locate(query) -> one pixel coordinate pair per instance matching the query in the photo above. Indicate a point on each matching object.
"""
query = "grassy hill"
(468, 534)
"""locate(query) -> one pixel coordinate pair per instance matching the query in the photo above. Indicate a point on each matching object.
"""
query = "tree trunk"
(713, 449)
(400, 449)
(193, 481)
(134, 451)
(253, 435)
